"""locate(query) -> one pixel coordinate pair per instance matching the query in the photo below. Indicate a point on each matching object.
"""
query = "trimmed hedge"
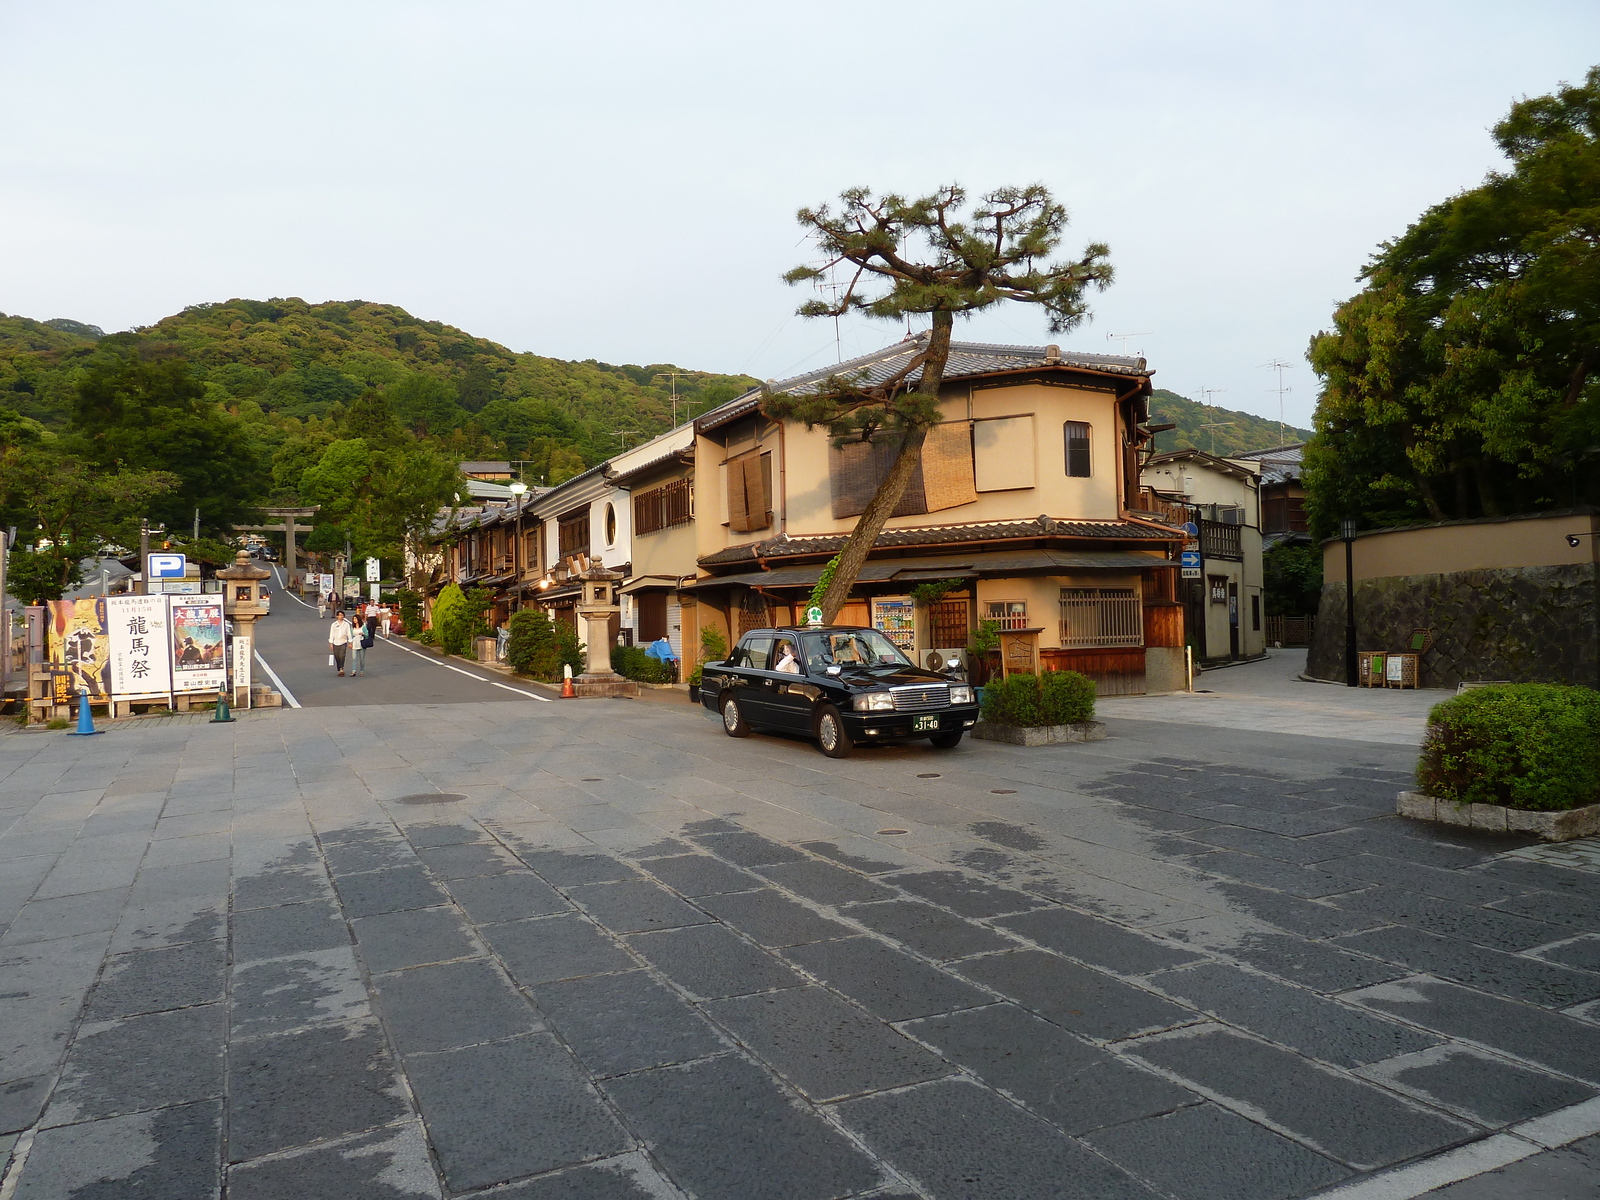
(539, 646)
(1028, 701)
(1531, 746)
(633, 663)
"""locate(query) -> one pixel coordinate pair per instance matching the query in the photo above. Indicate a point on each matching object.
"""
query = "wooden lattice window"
(663, 507)
(947, 624)
(750, 492)
(572, 534)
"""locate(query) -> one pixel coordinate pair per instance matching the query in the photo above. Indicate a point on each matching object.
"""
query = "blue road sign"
(168, 566)
(1191, 558)
(1191, 529)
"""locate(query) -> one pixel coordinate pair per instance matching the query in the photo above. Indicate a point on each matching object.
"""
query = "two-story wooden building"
(1024, 497)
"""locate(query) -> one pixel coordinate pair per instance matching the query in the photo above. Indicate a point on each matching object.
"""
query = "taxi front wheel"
(732, 719)
(832, 737)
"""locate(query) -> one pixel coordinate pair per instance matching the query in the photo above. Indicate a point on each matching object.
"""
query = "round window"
(611, 525)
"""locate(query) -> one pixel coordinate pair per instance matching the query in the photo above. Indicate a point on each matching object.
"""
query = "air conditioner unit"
(950, 659)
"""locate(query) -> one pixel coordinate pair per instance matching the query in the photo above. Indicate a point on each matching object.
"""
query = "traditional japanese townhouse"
(1222, 497)
(1022, 503)
(657, 482)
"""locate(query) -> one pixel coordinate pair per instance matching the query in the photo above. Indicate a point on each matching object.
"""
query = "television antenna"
(1280, 367)
(1124, 338)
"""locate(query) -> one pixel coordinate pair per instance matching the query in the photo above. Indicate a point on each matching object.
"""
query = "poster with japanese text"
(141, 658)
(199, 662)
(78, 644)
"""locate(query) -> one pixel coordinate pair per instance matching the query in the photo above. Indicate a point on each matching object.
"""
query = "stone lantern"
(596, 606)
(243, 603)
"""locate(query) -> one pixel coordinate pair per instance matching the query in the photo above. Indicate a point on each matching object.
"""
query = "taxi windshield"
(852, 648)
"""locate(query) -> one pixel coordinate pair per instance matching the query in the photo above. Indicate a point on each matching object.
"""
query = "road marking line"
(283, 688)
(504, 686)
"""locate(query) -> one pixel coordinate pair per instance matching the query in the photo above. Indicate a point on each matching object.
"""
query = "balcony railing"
(1220, 540)
(1170, 512)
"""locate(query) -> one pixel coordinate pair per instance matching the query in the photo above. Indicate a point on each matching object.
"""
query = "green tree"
(1460, 382)
(152, 415)
(926, 256)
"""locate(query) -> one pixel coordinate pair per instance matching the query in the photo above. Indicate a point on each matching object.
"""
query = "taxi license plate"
(924, 724)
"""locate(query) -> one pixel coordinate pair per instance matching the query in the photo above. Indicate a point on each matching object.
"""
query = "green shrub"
(539, 646)
(410, 613)
(713, 646)
(426, 637)
(633, 663)
(1025, 699)
(458, 617)
(1067, 697)
(1524, 745)
(696, 675)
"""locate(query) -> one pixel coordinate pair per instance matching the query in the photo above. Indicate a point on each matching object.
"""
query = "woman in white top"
(383, 616)
(786, 659)
(340, 634)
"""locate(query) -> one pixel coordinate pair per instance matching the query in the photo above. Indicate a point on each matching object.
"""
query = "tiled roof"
(1279, 464)
(935, 535)
(966, 359)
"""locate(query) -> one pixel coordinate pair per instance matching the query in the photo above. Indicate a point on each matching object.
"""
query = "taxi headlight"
(874, 702)
(960, 695)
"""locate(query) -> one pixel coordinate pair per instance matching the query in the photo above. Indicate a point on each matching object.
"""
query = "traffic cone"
(222, 716)
(568, 692)
(85, 717)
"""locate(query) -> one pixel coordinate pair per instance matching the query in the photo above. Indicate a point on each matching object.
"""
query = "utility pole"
(674, 376)
(7, 537)
(1280, 367)
(144, 556)
(1347, 531)
(197, 524)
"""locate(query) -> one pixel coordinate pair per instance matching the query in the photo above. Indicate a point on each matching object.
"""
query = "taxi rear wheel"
(732, 719)
(832, 737)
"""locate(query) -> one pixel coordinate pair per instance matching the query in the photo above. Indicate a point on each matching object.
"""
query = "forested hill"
(292, 362)
(1236, 432)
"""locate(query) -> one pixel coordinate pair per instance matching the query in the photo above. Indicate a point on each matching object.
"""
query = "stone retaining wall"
(1526, 625)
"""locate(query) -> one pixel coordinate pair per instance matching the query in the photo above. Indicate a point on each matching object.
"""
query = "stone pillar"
(595, 609)
(242, 603)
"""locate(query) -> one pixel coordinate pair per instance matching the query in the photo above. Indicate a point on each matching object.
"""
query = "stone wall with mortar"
(1526, 625)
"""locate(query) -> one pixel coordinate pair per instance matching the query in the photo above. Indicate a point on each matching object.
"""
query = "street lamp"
(1347, 531)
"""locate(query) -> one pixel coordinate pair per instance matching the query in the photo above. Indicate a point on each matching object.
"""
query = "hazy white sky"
(619, 180)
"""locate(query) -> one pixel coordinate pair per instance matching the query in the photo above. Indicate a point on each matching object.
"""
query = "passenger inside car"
(788, 660)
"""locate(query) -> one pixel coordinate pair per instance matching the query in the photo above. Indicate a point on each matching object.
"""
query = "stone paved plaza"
(637, 958)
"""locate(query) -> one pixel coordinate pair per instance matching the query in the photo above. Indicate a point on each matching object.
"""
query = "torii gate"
(289, 528)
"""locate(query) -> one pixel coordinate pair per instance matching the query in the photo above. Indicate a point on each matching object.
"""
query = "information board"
(141, 658)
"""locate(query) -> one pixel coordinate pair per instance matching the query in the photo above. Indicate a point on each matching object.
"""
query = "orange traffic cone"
(567, 690)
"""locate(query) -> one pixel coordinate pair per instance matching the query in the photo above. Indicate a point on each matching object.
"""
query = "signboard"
(168, 566)
(372, 571)
(198, 662)
(78, 643)
(141, 663)
(242, 648)
(1193, 572)
(177, 587)
(813, 615)
(1191, 558)
(895, 617)
(374, 588)
(324, 584)
(352, 586)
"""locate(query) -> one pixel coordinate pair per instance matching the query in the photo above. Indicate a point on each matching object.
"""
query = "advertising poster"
(198, 654)
(78, 643)
(141, 657)
(324, 584)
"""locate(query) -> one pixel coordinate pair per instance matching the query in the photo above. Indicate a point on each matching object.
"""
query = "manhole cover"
(430, 798)
(883, 831)
(929, 775)
(1002, 791)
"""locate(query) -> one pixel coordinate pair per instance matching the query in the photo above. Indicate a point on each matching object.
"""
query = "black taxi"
(838, 684)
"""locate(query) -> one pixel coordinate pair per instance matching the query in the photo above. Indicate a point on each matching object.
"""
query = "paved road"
(637, 959)
(294, 643)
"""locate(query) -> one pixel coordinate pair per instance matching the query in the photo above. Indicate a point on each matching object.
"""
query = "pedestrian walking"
(322, 604)
(384, 618)
(367, 633)
(340, 635)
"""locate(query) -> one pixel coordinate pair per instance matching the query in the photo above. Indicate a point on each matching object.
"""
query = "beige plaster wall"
(668, 551)
(1443, 549)
(1043, 594)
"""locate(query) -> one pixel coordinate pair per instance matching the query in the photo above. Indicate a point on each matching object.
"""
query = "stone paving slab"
(641, 959)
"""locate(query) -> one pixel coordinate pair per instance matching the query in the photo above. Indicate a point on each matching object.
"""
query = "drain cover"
(1002, 791)
(883, 831)
(430, 798)
(929, 775)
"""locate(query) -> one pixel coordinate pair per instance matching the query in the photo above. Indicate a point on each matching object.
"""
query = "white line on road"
(283, 688)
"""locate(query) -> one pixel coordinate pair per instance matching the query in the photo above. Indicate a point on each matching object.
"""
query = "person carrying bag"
(340, 635)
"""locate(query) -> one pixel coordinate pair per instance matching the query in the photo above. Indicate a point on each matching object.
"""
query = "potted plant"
(1039, 710)
(982, 648)
(713, 648)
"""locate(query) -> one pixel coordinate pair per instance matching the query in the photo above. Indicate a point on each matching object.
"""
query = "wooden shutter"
(947, 478)
(738, 502)
(758, 489)
(857, 468)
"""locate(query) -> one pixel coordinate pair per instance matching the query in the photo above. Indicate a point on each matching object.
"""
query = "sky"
(619, 181)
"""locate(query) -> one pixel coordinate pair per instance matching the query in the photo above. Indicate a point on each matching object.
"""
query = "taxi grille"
(915, 699)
